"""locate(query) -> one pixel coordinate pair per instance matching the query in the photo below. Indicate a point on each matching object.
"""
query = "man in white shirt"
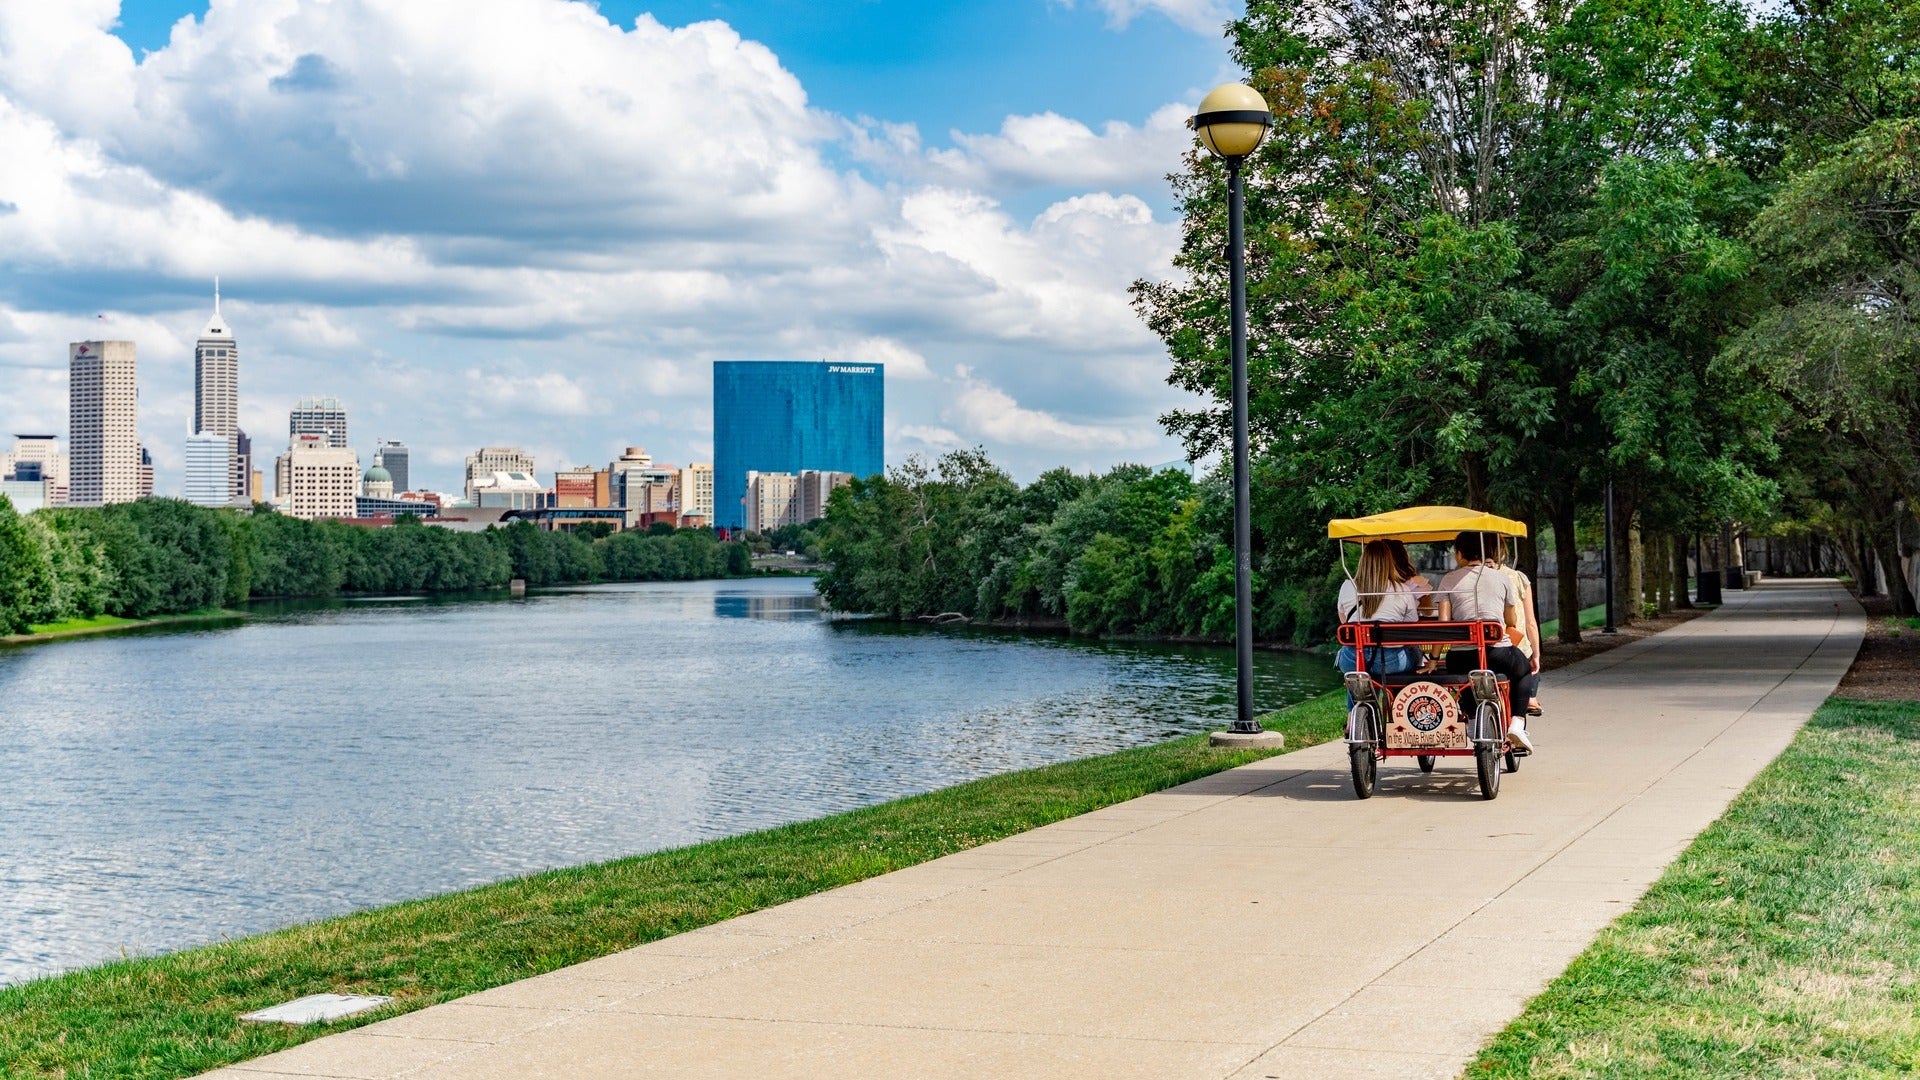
(1472, 592)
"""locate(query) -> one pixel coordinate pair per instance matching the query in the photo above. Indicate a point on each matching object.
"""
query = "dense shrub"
(1133, 551)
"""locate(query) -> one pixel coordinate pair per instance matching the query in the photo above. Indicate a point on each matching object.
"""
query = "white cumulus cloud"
(994, 414)
(1199, 16)
(543, 228)
(1053, 150)
(547, 394)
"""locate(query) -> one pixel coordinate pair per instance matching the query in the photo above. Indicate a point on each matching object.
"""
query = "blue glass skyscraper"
(786, 416)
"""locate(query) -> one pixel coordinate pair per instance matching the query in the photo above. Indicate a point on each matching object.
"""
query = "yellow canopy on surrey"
(1419, 524)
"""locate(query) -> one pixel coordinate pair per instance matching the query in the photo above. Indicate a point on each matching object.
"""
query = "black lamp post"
(1232, 121)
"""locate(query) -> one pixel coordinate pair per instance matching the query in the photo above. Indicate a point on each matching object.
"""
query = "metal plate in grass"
(317, 1008)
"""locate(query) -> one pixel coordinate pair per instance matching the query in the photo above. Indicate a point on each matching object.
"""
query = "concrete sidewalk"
(1257, 923)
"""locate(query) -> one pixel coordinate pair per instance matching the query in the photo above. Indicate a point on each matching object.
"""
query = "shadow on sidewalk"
(1451, 780)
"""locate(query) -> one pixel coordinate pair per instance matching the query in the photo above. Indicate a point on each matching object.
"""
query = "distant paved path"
(1256, 923)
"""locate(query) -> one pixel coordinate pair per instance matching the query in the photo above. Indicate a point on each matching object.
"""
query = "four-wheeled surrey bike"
(1426, 715)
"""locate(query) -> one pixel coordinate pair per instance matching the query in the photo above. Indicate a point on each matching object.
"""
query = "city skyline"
(982, 253)
(215, 460)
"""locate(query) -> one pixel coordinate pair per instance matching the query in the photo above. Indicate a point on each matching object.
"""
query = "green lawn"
(1589, 618)
(98, 622)
(1785, 942)
(176, 1015)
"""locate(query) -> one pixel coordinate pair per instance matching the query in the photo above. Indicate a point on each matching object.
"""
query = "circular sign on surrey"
(1424, 706)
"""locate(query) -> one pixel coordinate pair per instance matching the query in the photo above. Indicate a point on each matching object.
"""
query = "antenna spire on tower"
(216, 296)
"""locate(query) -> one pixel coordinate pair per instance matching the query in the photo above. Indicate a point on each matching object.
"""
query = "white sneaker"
(1517, 735)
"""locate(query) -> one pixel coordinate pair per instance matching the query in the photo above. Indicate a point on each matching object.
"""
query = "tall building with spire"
(216, 392)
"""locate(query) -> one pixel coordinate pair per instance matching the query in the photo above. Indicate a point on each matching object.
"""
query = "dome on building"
(378, 475)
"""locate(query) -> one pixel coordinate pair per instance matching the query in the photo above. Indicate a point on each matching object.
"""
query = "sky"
(538, 222)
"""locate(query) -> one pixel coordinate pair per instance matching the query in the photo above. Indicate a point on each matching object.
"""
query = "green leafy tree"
(1431, 162)
(26, 573)
(83, 578)
(1840, 344)
(739, 560)
(291, 557)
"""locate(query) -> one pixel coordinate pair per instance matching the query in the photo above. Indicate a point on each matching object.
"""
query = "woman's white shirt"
(1399, 603)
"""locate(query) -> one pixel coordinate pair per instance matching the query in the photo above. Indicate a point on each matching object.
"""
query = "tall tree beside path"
(1652, 281)
(1420, 326)
(1841, 346)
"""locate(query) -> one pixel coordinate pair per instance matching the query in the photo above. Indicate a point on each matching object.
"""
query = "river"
(167, 788)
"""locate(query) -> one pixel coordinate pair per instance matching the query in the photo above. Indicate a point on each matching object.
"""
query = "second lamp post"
(1232, 121)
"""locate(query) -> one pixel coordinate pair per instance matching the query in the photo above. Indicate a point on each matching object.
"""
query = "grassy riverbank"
(175, 1015)
(101, 624)
(1589, 618)
(1784, 942)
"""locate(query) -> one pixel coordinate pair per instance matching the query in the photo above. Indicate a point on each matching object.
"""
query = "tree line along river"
(164, 789)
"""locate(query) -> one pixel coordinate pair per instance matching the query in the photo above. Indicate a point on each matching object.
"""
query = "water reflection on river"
(164, 789)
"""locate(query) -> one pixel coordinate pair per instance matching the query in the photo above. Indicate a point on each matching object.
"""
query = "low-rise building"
(653, 490)
(27, 495)
(569, 518)
(578, 488)
(372, 506)
(37, 458)
(506, 491)
(489, 460)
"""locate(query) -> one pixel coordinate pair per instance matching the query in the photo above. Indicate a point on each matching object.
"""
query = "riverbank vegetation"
(1504, 255)
(1133, 551)
(1781, 943)
(177, 1015)
(163, 557)
(1130, 551)
(101, 624)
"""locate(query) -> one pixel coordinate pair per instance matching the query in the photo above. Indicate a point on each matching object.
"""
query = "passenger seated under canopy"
(1379, 592)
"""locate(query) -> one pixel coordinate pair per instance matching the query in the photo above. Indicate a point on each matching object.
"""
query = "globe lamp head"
(1232, 121)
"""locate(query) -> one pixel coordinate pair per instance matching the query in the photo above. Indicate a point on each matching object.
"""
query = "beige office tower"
(103, 424)
(216, 393)
(322, 481)
(773, 500)
(816, 487)
(484, 462)
(696, 492)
